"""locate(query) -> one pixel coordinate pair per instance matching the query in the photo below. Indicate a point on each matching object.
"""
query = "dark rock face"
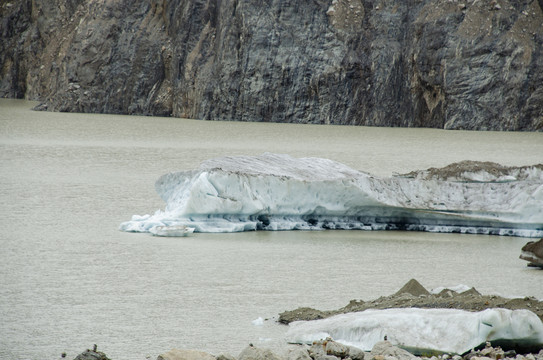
(445, 64)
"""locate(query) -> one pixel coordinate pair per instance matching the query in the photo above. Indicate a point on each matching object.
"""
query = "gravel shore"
(413, 294)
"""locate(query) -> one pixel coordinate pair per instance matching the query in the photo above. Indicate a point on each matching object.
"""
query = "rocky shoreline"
(328, 349)
(412, 294)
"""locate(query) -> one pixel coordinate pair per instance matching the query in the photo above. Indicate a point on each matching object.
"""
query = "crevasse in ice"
(279, 192)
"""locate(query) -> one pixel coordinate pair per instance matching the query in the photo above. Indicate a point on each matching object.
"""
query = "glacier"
(426, 331)
(280, 192)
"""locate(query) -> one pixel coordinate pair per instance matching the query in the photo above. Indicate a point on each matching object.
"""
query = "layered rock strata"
(419, 63)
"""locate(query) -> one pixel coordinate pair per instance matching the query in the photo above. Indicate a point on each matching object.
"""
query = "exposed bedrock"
(429, 63)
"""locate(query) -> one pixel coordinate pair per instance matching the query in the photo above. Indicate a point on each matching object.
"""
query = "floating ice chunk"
(424, 330)
(258, 322)
(278, 192)
(140, 217)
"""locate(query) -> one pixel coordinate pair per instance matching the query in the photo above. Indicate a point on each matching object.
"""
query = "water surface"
(69, 279)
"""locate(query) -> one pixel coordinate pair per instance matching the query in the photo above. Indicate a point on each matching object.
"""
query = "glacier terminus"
(280, 192)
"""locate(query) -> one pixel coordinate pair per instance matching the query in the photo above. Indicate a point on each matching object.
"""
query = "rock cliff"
(471, 64)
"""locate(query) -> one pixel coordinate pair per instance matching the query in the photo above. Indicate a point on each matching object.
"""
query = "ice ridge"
(279, 192)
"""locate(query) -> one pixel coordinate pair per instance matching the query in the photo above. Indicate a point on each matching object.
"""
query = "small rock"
(91, 355)
(355, 353)
(298, 353)
(176, 354)
(317, 349)
(323, 356)
(497, 353)
(254, 353)
(225, 357)
(336, 349)
(486, 351)
(385, 348)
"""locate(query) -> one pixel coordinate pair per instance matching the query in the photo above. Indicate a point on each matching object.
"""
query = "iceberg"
(426, 331)
(279, 192)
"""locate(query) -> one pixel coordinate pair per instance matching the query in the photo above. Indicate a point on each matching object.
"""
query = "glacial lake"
(69, 279)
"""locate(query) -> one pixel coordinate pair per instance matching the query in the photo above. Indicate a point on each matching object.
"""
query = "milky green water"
(69, 279)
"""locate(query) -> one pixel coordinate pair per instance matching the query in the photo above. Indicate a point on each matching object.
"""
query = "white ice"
(423, 330)
(279, 192)
(258, 321)
(171, 231)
